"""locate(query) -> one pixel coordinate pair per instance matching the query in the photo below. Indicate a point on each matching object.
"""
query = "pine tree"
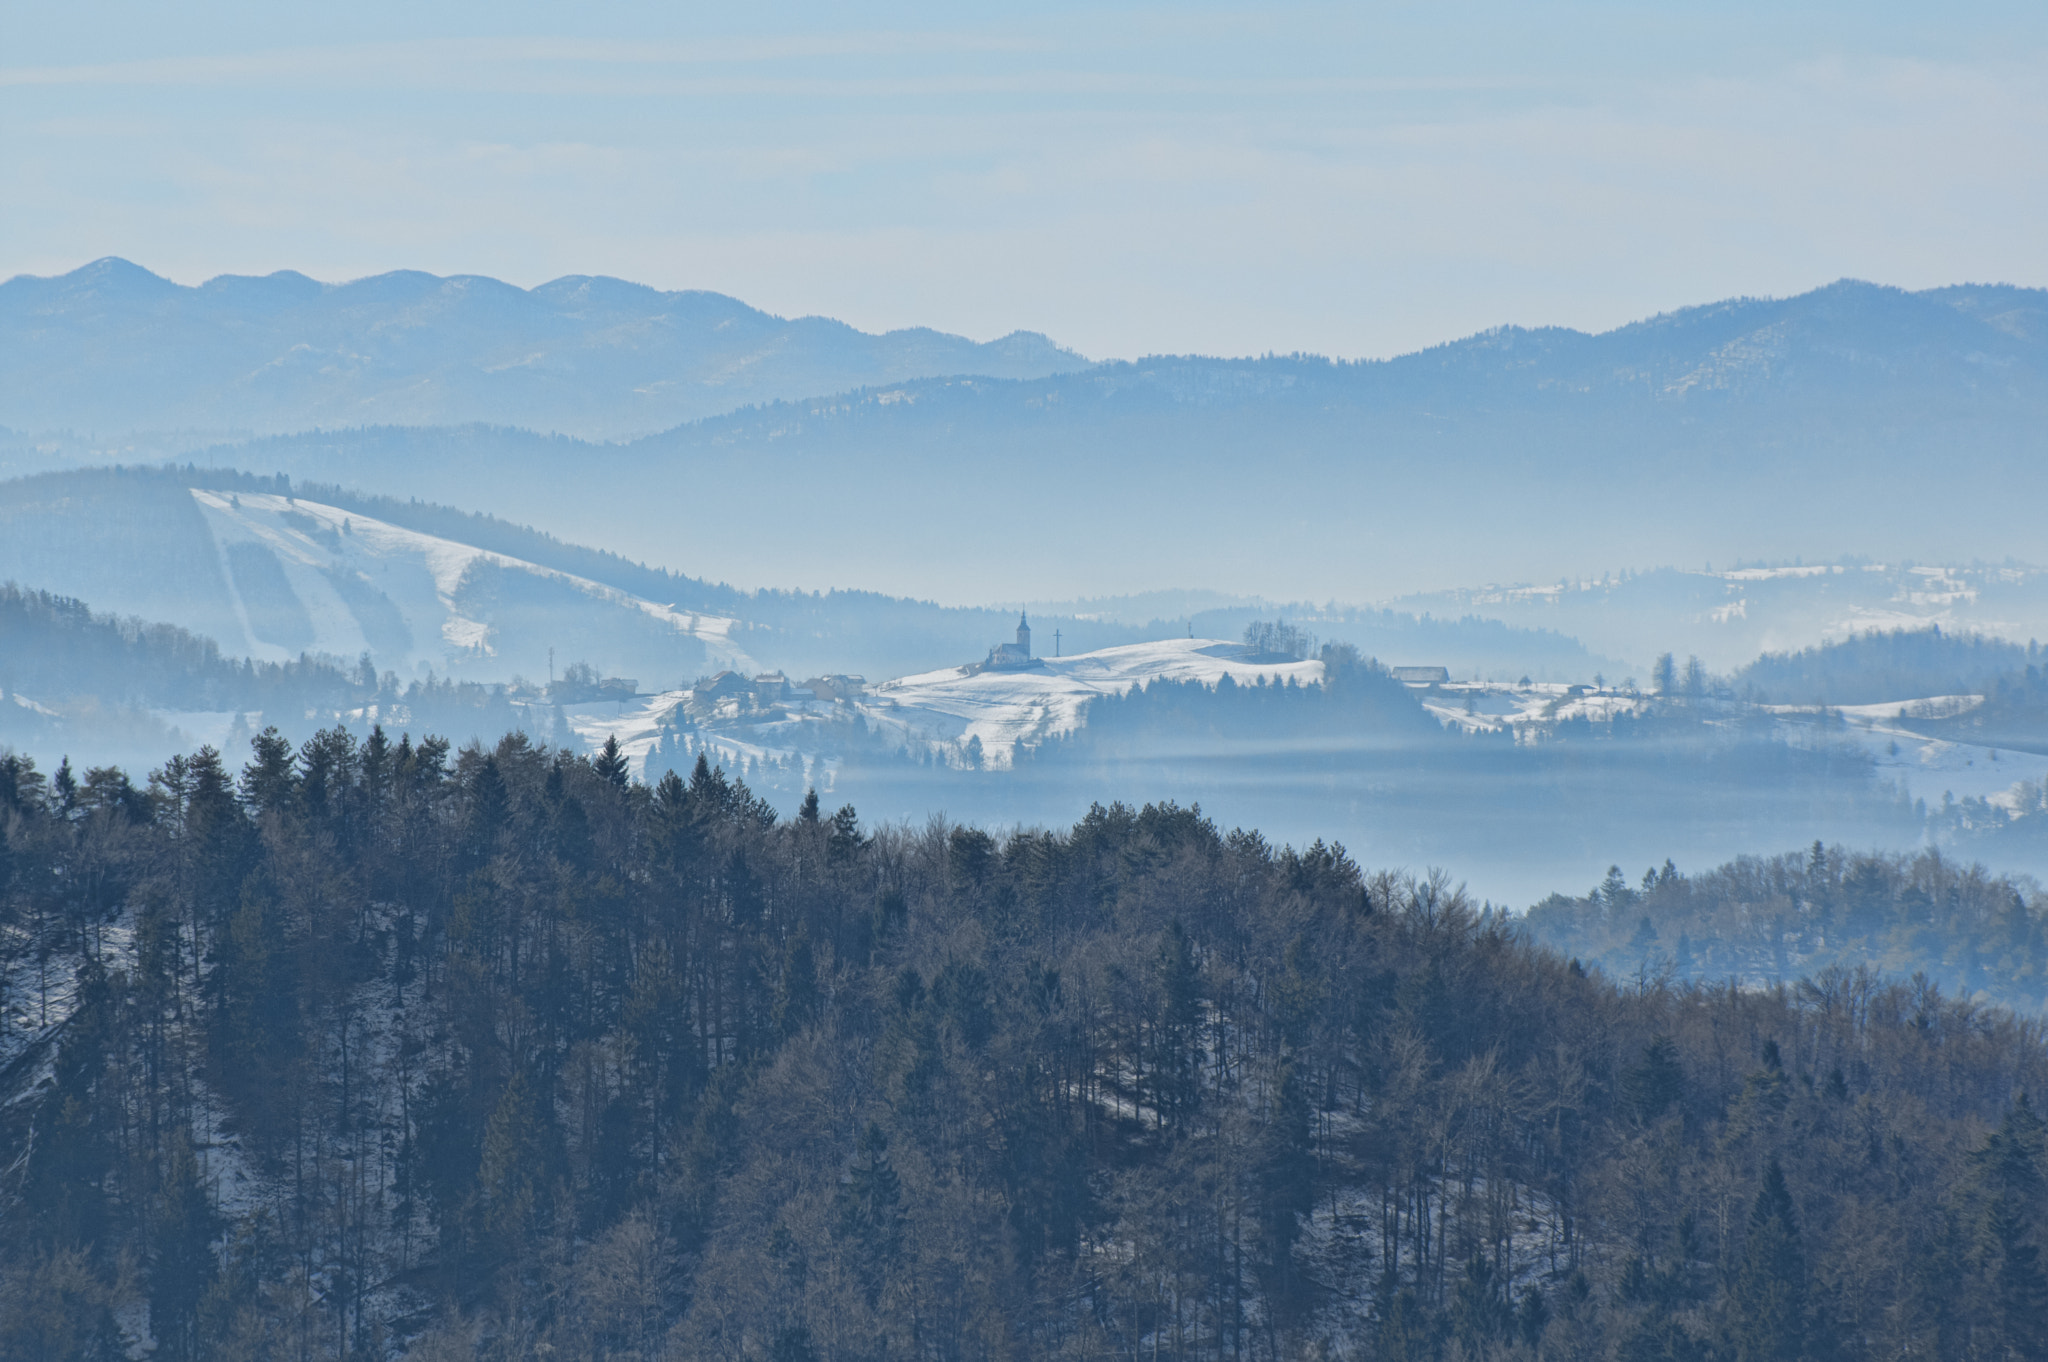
(1768, 1297)
(1478, 1313)
(611, 763)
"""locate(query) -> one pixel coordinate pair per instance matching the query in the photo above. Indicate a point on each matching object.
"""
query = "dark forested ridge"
(370, 1049)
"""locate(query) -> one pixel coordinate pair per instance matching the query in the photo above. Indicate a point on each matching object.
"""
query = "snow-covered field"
(1926, 768)
(947, 708)
(1003, 709)
(1482, 706)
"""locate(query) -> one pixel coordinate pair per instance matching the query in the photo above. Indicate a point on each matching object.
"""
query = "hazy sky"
(1357, 180)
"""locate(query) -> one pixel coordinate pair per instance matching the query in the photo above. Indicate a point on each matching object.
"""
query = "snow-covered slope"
(309, 577)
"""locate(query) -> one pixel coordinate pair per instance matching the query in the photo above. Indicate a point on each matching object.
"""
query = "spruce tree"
(2012, 1318)
(1767, 1300)
(611, 763)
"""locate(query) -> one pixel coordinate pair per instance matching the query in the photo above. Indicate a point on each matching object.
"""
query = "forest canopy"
(375, 1049)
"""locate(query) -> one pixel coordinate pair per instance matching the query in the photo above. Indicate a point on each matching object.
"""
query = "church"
(1013, 657)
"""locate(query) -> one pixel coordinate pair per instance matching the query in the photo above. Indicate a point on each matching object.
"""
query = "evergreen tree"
(1767, 1300)
(2012, 1319)
(1653, 1085)
(611, 763)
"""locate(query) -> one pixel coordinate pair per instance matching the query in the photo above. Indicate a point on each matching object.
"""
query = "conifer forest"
(377, 1049)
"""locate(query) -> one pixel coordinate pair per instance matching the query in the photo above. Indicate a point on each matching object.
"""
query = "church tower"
(1023, 634)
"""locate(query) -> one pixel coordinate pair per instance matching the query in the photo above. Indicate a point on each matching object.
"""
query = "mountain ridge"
(590, 355)
(1856, 419)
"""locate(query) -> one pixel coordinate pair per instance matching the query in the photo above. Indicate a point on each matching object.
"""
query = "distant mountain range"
(111, 347)
(1852, 420)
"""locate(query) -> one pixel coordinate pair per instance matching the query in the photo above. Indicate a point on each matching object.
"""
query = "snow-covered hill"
(1919, 765)
(271, 576)
(1003, 709)
(309, 577)
(942, 712)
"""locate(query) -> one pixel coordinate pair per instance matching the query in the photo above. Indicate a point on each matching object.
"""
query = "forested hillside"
(1771, 920)
(1871, 668)
(56, 648)
(368, 1049)
(100, 688)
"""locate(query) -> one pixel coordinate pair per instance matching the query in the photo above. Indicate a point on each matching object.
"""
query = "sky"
(1353, 180)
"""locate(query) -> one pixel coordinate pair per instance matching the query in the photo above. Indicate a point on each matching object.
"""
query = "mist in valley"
(550, 817)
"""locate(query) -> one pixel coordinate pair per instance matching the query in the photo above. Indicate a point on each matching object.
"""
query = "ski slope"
(337, 564)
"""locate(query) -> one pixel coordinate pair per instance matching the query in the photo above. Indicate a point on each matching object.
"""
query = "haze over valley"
(1162, 495)
(1068, 682)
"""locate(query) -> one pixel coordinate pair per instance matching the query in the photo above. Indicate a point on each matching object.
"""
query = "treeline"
(72, 679)
(372, 1049)
(1365, 751)
(1771, 921)
(54, 649)
(1871, 668)
(2013, 714)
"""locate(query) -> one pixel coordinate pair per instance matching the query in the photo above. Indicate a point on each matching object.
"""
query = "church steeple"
(1024, 633)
